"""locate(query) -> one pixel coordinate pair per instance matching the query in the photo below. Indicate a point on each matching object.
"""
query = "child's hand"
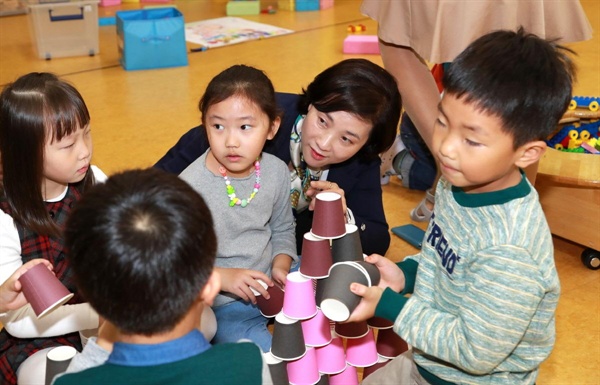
(280, 269)
(324, 185)
(11, 296)
(239, 282)
(279, 276)
(391, 275)
(366, 307)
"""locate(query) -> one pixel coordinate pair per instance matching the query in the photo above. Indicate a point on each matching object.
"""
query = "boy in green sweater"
(484, 286)
(142, 247)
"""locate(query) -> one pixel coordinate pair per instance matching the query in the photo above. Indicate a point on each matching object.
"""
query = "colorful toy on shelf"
(589, 102)
(582, 108)
(572, 138)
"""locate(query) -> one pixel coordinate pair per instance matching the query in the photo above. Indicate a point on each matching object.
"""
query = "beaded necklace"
(233, 199)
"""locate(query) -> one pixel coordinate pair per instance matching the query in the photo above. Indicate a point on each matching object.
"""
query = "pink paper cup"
(304, 371)
(288, 339)
(331, 358)
(272, 306)
(299, 297)
(349, 376)
(348, 247)
(316, 257)
(381, 362)
(361, 351)
(328, 218)
(389, 344)
(317, 330)
(43, 290)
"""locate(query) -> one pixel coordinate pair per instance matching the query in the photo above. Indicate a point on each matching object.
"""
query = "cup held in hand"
(338, 301)
(43, 290)
(272, 306)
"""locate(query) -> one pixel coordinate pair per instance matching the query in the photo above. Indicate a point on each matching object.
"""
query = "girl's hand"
(370, 299)
(391, 275)
(280, 269)
(324, 185)
(239, 281)
(11, 296)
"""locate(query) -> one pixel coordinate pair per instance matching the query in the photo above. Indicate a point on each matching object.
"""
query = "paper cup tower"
(310, 330)
(43, 290)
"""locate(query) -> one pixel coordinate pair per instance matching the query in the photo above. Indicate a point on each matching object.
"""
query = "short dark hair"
(522, 79)
(142, 246)
(363, 89)
(245, 81)
(36, 108)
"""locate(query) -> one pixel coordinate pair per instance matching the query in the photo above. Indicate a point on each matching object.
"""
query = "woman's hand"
(324, 185)
(240, 282)
(11, 296)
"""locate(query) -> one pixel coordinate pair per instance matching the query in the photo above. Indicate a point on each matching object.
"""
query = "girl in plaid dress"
(45, 147)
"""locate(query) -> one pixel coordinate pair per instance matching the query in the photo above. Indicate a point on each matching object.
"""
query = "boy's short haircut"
(142, 246)
(524, 80)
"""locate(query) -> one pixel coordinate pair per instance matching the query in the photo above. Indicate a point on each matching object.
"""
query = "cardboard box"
(64, 29)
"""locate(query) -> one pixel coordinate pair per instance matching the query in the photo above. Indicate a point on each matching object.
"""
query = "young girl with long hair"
(248, 193)
(45, 148)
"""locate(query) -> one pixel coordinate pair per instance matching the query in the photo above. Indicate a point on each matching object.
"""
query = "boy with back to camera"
(484, 286)
(142, 247)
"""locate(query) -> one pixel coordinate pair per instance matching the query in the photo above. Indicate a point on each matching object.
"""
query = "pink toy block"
(361, 44)
(109, 3)
(324, 4)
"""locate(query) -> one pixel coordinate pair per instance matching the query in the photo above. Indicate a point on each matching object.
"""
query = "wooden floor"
(137, 116)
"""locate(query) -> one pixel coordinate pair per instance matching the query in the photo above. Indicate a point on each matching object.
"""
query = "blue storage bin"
(151, 38)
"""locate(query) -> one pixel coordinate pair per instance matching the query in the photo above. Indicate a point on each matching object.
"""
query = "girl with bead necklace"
(248, 193)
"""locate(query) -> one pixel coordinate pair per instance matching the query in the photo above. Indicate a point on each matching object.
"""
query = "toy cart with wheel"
(569, 188)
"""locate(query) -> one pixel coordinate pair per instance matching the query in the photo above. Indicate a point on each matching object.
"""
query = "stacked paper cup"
(312, 343)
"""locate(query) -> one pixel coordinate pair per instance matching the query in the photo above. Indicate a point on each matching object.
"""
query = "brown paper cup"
(348, 247)
(390, 344)
(338, 301)
(43, 290)
(288, 339)
(277, 368)
(351, 329)
(58, 359)
(316, 257)
(328, 218)
(272, 306)
(381, 362)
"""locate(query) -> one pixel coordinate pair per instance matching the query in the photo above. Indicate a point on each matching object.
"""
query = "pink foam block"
(362, 44)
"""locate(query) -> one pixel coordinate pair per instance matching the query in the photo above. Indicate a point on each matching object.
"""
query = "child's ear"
(211, 289)
(530, 153)
(274, 128)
